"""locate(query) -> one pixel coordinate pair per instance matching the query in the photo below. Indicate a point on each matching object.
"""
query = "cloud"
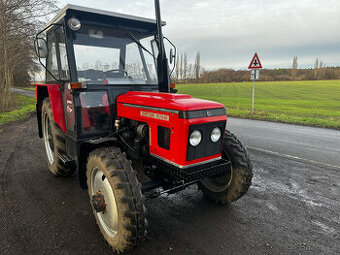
(227, 32)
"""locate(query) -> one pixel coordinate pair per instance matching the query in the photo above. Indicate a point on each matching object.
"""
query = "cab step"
(66, 160)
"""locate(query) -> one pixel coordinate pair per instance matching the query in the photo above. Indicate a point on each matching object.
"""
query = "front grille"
(206, 147)
(163, 137)
(212, 169)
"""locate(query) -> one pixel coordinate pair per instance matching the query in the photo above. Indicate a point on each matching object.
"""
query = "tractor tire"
(54, 141)
(116, 198)
(229, 188)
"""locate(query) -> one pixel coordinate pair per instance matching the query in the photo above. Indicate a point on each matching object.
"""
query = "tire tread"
(242, 171)
(134, 220)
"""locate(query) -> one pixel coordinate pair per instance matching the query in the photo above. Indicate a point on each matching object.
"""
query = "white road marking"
(325, 228)
(292, 157)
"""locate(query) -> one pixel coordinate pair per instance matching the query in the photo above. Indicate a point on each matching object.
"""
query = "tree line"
(190, 73)
(230, 75)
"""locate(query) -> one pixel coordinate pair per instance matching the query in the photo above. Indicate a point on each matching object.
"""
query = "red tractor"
(107, 111)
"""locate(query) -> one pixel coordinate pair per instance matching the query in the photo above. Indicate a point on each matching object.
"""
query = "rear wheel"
(116, 198)
(230, 187)
(54, 141)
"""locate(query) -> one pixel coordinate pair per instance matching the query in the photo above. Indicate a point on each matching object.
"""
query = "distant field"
(315, 103)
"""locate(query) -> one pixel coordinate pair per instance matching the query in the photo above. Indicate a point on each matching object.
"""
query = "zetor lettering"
(154, 115)
(110, 114)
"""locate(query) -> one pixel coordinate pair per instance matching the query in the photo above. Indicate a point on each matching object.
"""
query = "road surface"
(292, 207)
(28, 93)
(316, 145)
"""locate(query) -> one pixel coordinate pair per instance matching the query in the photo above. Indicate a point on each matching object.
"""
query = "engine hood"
(169, 101)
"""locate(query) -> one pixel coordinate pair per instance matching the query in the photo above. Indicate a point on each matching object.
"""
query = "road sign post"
(254, 66)
(253, 99)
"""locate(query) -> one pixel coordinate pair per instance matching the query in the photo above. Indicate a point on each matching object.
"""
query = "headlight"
(216, 134)
(195, 138)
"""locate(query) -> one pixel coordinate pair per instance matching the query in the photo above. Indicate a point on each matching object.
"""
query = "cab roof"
(106, 16)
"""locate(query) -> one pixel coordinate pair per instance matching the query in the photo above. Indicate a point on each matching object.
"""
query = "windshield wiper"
(138, 43)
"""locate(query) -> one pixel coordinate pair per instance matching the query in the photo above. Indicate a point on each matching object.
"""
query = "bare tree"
(181, 67)
(185, 67)
(197, 66)
(316, 67)
(294, 67)
(19, 21)
(190, 71)
(321, 70)
(177, 68)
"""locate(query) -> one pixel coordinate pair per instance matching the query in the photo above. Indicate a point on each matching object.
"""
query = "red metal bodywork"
(155, 109)
(56, 103)
(160, 109)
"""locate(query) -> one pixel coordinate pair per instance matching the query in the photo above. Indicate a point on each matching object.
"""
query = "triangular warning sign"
(255, 63)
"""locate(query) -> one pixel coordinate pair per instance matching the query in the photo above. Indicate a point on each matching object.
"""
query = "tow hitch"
(180, 186)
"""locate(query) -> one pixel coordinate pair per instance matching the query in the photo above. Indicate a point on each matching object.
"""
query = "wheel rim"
(219, 183)
(108, 219)
(48, 139)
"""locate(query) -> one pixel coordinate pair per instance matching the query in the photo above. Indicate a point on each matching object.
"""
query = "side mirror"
(41, 48)
(172, 56)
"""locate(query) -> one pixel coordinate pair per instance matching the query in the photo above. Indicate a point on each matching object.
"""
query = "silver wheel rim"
(218, 184)
(108, 219)
(48, 139)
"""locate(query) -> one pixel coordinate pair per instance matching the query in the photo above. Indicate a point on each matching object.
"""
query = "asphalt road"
(316, 145)
(293, 206)
(28, 93)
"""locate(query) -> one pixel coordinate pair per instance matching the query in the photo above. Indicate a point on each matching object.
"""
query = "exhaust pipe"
(162, 61)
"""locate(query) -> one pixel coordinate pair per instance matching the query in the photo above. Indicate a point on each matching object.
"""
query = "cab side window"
(51, 61)
(57, 62)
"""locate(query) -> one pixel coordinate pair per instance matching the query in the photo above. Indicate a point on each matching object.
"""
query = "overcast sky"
(228, 32)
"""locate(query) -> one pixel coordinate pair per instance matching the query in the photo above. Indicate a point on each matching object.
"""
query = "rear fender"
(53, 92)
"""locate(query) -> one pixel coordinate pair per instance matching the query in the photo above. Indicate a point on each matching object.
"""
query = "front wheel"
(230, 187)
(116, 198)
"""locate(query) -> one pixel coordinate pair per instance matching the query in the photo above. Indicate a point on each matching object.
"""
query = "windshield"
(113, 56)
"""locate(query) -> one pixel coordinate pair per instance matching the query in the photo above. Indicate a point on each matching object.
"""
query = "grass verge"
(312, 103)
(24, 106)
(27, 88)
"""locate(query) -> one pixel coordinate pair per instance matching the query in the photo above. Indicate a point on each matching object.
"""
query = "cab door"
(58, 65)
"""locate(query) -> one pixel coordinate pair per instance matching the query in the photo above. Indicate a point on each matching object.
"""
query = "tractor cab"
(102, 48)
(99, 47)
(95, 56)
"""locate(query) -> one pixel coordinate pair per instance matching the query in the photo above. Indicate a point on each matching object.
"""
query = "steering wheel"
(113, 70)
(117, 71)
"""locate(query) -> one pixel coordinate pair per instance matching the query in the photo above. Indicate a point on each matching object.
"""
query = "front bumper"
(196, 172)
